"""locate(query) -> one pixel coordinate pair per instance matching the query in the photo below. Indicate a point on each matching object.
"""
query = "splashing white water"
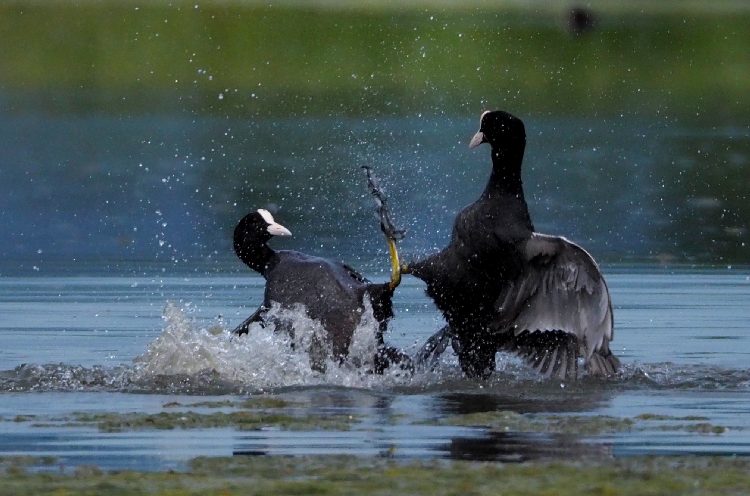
(264, 358)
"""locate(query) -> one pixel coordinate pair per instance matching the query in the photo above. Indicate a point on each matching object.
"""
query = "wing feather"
(561, 289)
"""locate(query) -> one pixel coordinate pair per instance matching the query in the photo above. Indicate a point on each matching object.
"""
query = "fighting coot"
(502, 286)
(331, 292)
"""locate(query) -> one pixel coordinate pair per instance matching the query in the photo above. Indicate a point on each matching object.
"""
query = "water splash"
(266, 357)
(64, 377)
(683, 376)
(192, 357)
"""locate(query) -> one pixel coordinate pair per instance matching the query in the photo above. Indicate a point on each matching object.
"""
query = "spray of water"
(266, 357)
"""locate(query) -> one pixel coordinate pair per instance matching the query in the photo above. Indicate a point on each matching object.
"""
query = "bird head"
(258, 228)
(500, 129)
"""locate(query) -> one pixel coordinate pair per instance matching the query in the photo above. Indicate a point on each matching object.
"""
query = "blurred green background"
(145, 130)
(360, 58)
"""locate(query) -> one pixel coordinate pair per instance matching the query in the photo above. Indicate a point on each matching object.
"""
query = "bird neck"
(258, 256)
(505, 185)
(506, 173)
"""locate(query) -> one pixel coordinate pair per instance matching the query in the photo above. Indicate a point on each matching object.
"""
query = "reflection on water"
(531, 400)
(521, 447)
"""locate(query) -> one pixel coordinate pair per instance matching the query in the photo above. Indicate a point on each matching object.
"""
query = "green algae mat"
(363, 476)
(587, 474)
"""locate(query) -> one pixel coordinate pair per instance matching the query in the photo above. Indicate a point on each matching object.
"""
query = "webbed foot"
(257, 316)
(427, 357)
(392, 233)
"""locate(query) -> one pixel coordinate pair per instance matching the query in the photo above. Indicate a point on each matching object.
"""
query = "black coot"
(502, 286)
(332, 292)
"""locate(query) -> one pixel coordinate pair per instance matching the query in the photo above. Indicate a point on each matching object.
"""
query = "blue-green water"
(169, 190)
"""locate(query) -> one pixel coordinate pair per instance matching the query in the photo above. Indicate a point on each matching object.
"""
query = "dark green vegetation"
(269, 411)
(592, 472)
(580, 425)
(347, 475)
(230, 58)
(242, 420)
(250, 414)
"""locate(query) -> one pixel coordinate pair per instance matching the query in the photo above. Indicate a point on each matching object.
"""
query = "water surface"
(107, 344)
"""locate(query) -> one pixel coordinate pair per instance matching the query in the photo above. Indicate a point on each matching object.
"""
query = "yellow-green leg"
(395, 263)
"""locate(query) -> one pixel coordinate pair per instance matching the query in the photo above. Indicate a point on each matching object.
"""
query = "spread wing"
(558, 309)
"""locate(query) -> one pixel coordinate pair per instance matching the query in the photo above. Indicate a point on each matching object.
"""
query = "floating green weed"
(256, 402)
(582, 425)
(654, 416)
(244, 420)
(337, 475)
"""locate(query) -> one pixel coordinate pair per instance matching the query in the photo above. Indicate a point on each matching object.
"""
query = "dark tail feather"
(603, 363)
(553, 354)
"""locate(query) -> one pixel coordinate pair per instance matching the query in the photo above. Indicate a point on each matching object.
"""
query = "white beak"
(278, 230)
(274, 228)
(477, 140)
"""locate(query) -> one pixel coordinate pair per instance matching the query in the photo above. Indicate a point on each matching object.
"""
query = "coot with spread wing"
(503, 286)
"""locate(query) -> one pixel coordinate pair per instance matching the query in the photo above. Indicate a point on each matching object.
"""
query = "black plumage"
(331, 292)
(502, 286)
